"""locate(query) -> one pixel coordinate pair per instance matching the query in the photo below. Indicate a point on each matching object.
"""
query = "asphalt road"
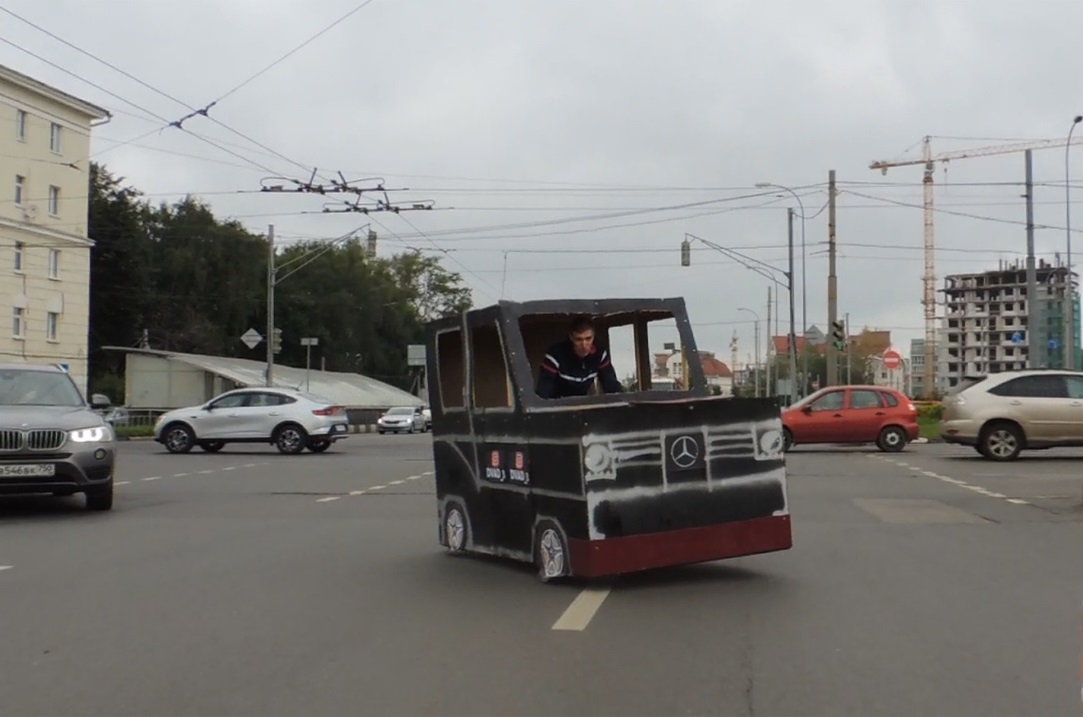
(249, 583)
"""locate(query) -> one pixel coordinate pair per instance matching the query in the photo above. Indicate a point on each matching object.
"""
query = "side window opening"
(489, 369)
(450, 369)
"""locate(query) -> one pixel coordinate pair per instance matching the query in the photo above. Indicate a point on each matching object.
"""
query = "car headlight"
(94, 434)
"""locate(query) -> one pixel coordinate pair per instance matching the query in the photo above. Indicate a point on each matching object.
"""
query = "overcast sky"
(616, 125)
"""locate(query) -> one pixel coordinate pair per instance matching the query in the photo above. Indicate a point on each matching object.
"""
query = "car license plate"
(28, 470)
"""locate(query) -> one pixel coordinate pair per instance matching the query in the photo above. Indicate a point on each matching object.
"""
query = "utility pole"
(793, 335)
(832, 282)
(767, 363)
(270, 303)
(1033, 334)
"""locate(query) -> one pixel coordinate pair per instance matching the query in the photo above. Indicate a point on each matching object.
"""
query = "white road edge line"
(582, 610)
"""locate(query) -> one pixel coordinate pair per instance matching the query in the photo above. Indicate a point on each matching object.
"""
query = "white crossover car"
(288, 419)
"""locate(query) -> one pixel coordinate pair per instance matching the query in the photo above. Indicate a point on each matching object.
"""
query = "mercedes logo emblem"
(684, 452)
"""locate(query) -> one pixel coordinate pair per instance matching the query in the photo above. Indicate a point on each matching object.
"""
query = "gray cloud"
(697, 99)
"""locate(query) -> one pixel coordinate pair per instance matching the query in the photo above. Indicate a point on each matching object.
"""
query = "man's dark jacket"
(563, 373)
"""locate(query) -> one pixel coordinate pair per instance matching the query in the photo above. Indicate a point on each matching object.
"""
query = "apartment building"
(985, 321)
(44, 247)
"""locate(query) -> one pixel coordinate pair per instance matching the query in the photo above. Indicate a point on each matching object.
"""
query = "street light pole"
(760, 268)
(1069, 343)
(804, 282)
(793, 337)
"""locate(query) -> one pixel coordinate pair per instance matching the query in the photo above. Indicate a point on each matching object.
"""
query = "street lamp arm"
(741, 258)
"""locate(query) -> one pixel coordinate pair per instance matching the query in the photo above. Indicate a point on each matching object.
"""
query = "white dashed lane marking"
(582, 610)
(223, 469)
(6, 567)
(954, 481)
(363, 491)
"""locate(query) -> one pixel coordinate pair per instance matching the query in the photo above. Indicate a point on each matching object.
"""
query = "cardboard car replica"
(595, 485)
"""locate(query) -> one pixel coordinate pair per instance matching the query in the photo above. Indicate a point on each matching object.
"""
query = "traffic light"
(838, 335)
(276, 340)
(686, 253)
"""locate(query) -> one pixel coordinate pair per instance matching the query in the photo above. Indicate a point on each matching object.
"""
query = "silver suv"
(51, 440)
(1002, 414)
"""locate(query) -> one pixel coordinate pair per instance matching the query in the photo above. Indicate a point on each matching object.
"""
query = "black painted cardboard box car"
(599, 484)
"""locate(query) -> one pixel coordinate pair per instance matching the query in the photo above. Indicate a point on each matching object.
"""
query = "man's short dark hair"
(581, 323)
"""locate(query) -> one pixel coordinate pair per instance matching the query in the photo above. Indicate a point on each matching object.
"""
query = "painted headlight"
(771, 441)
(95, 434)
(596, 458)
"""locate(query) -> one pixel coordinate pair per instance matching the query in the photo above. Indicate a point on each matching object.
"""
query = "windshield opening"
(23, 387)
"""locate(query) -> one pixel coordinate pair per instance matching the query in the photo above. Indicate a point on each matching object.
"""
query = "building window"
(20, 125)
(18, 259)
(54, 138)
(20, 185)
(54, 263)
(18, 322)
(52, 320)
(54, 201)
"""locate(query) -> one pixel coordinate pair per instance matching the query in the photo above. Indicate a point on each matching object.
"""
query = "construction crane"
(928, 277)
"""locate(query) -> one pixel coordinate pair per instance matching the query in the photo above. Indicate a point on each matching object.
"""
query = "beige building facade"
(44, 248)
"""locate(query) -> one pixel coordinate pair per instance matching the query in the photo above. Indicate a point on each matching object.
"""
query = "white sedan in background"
(402, 418)
(287, 419)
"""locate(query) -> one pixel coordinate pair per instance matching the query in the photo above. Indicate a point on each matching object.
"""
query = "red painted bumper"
(612, 556)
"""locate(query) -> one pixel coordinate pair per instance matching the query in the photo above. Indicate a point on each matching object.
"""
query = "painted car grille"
(604, 457)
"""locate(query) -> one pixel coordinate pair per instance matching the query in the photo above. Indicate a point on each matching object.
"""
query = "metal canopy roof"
(351, 390)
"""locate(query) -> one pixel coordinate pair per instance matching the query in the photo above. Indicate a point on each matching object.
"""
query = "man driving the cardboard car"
(571, 366)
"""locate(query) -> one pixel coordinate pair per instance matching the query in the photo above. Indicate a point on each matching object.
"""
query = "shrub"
(931, 411)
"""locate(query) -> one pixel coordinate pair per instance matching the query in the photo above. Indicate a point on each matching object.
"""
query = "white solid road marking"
(582, 610)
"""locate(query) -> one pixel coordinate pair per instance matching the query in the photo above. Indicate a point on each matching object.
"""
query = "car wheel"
(100, 499)
(892, 439)
(212, 446)
(1001, 442)
(179, 438)
(787, 440)
(455, 528)
(290, 438)
(551, 553)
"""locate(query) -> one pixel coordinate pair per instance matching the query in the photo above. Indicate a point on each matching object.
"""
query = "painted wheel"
(455, 529)
(552, 553)
(892, 439)
(1001, 442)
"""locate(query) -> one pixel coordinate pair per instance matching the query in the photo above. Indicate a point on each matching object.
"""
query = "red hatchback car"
(852, 414)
